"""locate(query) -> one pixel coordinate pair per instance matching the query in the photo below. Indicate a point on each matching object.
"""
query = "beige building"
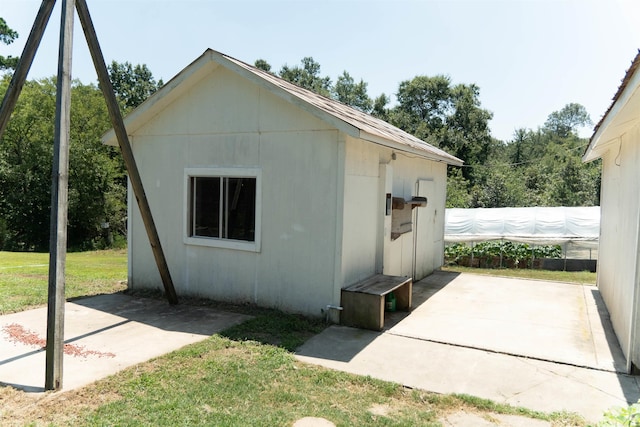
(267, 193)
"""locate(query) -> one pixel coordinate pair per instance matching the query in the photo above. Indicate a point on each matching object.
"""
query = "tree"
(379, 109)
(132, 85)
(347, 91)
(307, 77)
(25, 167)
(566, 121)
(263, 65)
(7, 36)
(447, 116)
(457, 190)
(503, 187)
(97, 194)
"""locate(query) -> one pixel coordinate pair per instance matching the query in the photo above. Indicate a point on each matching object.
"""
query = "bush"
(622, 417)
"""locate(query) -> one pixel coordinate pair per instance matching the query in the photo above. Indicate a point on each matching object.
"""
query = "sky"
(529, 58)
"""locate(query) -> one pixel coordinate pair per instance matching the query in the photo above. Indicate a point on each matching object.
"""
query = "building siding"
(620, 207)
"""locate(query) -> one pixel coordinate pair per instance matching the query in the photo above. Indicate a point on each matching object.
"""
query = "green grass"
(24, 277)
(245, 376)
(228, 383)
(224, 382)
(582, 277)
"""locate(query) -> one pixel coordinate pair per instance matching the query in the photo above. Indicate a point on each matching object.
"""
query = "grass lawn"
(245, 376)
(225, 381)
(24, 277)
(582, 277)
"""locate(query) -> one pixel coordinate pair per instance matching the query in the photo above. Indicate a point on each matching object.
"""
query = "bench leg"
(362, 310)
(403, 296)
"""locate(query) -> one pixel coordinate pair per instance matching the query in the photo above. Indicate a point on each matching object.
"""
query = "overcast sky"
(529, 58)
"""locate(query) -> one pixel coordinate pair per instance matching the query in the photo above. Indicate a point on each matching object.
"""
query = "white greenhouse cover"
(536, 225)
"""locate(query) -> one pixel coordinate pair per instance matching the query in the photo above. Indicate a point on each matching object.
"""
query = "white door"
(425, 239)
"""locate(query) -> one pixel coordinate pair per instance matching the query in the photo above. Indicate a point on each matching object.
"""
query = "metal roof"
(365, 122)
(348, 119)
(609, 125)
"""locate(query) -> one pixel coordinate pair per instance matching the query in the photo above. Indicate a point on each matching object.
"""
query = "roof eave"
(448, 159)
(608, 129)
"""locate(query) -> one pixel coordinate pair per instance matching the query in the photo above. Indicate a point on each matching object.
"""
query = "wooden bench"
(364, 302)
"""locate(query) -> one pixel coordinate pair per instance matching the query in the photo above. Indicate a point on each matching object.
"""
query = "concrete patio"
(542, 345)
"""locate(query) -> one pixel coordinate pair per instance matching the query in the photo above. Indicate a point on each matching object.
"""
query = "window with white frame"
(223, 207)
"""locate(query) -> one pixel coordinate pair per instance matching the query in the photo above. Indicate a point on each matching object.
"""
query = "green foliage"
(447, 116)
(457, 190)
(308, 76)
(262, 65)
(566, 121)
(7, 36)
(622, 416)
(97, 192)
(513, 253)
(539, 168)
(132, 85)
(347, 91)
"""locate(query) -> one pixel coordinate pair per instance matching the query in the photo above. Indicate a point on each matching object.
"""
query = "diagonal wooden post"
(59, 204)
(125, 147)
(24, 64)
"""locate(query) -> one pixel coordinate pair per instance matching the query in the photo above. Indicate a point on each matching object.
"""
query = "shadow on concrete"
(157, 313)
(609, 334)
(630, 391)
(109, 333)
(342, 344)
(422, 291)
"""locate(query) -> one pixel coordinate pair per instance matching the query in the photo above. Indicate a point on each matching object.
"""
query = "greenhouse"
(579, 226)
(575, 229)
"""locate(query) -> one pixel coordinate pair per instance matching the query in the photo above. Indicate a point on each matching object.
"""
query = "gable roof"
(347, 119)
(622, 114)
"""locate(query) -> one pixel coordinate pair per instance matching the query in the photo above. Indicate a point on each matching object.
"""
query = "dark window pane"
(207, 207)
(241, 208)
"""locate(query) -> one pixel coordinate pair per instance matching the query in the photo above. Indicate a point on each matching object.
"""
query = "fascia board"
(408, 149)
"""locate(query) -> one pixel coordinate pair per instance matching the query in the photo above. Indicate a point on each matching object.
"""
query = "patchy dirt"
(18, 334)
(19, 408)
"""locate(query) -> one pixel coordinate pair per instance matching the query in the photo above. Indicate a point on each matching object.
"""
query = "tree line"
(538, 167)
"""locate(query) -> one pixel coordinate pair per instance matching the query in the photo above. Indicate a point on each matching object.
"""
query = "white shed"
(268, 193)
(616, 140)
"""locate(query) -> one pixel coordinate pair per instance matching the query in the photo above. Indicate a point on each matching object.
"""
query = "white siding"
(617, 251)
(227, 122)
(321, 203)
(363, 213)
(361, 210)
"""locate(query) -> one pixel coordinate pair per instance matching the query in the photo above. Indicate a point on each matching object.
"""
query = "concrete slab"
(542, 345)
(551, 321)
(444, 368)
(104, 334)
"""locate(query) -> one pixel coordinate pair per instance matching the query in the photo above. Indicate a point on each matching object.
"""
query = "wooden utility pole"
(59, 204)
(60, 175)
(125, 148)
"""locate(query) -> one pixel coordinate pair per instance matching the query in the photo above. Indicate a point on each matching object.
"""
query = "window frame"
(216, 242)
